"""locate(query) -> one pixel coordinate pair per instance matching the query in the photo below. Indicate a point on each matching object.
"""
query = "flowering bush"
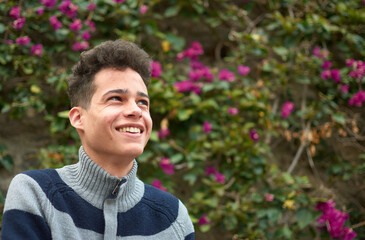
(233, 112)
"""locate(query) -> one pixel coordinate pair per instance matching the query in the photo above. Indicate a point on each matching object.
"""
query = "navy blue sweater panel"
(156, 212)
(23, 225)
(65, 199)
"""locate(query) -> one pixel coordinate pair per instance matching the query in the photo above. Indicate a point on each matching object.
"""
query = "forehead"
(110, 78)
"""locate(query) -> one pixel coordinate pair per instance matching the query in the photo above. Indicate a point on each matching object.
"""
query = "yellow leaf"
(165, 46)
(35, 89)
(289, 204)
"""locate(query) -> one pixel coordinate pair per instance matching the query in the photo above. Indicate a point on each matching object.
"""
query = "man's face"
(117, 124)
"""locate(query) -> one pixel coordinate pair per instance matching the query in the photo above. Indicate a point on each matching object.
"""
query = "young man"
(100, 197)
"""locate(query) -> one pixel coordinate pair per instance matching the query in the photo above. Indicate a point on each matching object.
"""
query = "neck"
(118, 166)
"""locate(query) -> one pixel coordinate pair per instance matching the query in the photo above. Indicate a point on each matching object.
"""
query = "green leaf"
(172, 11)
(304, 216)
(338, 118)
(2, 28)
(184, 114)
(177, 43)
(63, 114)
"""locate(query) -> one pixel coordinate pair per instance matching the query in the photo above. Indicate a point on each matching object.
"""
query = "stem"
(358, 225)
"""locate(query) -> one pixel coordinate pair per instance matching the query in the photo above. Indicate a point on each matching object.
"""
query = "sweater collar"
(95, 184)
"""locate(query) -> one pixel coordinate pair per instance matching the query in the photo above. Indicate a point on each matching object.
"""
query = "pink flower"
(9, 41)
(350, 62)
(49, 3)
(80, 46)
(344, 88)
(210, 170)
(207, 127)
(90, 24)
(119, 1)
(243, 70)
(86, 35)
(336, 76)
(203, 220)
(357, 99)
(37, 50)
(91, 6)
(326, 64)
(164, 132)
(75, 25)
(320, 53)
(157, 184)
(269, 197)
(55, 23)
(156, 69)
(232, 111)
(40, 11)
(287, 109)
(167, 166)
(23, 41)
(254, 135)
(15, 12)
(192, 53)
(219, 177)
(226, 75)
(143, 9)
(326, 74)
(19, 23)
(68, 8)
(348, 233)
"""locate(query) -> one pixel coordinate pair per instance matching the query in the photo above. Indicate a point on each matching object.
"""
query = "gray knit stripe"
(94, 184)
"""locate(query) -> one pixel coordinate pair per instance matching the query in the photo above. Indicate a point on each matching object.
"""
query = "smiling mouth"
(133, 130)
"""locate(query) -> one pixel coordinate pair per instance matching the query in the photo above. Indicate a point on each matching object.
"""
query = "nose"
(132, 110)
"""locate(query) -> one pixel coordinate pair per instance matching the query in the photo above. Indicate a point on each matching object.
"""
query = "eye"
(143, 102)
(115, 98)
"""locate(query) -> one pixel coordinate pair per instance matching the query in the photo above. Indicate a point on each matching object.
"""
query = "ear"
(75, 116)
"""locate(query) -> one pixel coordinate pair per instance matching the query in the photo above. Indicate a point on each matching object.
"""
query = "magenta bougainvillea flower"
(203, 220)
(9, 41)
(357, 99)
(68, 8)
(76, 25)
(15, 12)
(336, 75)
(167, 166)
(207, 127)
(269, 197)
(233, 111)
(326, 64)
(254, 135)
(40, 11)
(156, 69)
(358, 71)
(55, 23)
(86, 35)
(49, 3)
(91, 6)
(320, 53)
(164, 132)
(333, 220)
(23, 41)
(192, 53)
(287, 109)
(80, 46)
(344, 88)
(243, 70)
(226, 75)
(19, 23)
(157, 184)
(37, 50)
(326, 74)
(143, 9)
(119, 1)
(350, 62)
(219, 177)
(90, 24)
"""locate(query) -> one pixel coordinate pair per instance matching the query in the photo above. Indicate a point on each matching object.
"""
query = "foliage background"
(315, 154)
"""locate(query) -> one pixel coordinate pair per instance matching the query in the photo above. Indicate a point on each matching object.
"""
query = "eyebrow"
(124, 91)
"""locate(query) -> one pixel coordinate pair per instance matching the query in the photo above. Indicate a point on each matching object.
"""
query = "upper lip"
(136, 125)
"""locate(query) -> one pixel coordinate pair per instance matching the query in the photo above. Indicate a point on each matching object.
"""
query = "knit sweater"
(83, 201)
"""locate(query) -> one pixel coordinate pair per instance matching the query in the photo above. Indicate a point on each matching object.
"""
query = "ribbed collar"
(95, 184)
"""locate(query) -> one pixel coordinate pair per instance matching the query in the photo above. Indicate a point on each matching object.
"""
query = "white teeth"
(130, 129)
